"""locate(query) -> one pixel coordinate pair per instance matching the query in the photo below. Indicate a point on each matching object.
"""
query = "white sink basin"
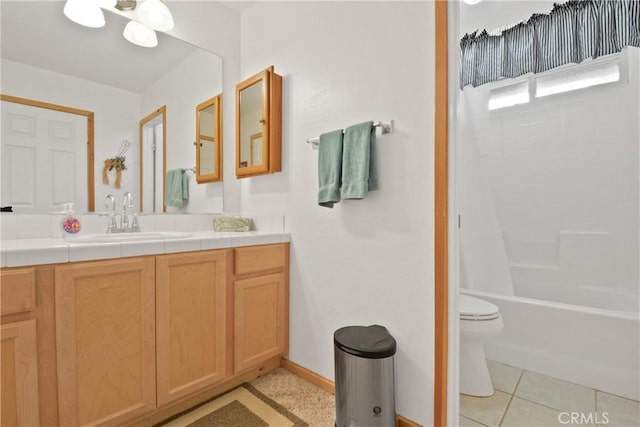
(127, 237)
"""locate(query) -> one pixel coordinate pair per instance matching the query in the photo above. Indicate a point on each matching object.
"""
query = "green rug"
(242, 407)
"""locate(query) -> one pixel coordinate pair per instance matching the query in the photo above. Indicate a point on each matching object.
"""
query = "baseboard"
(328, 385)
(308, 375)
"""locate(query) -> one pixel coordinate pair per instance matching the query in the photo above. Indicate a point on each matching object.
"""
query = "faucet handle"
(135, 225)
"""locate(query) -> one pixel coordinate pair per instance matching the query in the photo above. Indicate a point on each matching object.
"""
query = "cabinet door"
(191, 324)
(259, 319)
(105, 339)
(19, 367)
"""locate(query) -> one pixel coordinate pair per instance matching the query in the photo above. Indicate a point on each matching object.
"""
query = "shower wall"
(563, 173)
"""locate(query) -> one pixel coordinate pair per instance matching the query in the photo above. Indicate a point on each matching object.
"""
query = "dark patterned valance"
(571, 32)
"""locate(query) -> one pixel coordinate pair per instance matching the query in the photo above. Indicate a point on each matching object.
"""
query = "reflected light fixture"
(155, 14)
(84, 12)
(472, 1)
(150, 16)
(139, 34)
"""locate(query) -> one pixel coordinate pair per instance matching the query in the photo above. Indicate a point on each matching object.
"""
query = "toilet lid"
(476, 309)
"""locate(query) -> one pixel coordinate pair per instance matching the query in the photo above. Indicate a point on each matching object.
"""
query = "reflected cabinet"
(259, 124)
(209, 140)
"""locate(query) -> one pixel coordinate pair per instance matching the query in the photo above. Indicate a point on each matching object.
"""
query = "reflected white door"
(44, 158)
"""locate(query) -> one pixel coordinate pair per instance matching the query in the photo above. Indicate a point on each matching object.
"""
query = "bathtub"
(594, 347)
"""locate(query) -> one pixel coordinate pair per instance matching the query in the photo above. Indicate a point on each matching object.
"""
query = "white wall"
(116, 114)
(191, 82)
(495, 14)
(367, 261)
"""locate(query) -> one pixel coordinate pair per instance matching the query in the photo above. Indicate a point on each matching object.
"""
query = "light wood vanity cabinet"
(261, 304)
(191, 322)
(125, 340)
(105, 336)
(19, 357)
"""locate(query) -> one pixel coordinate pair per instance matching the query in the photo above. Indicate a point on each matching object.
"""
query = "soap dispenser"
(69, 225)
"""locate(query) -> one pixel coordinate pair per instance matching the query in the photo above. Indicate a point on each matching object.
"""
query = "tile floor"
(528, 399)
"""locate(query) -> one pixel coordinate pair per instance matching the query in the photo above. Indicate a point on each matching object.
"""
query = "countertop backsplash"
(35, 226)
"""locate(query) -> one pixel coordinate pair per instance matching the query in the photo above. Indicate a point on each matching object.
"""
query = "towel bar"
(386, 128)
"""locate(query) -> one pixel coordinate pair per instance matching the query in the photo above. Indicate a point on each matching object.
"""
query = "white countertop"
(21, 252)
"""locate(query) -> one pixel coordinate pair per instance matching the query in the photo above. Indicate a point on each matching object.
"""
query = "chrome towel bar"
(386, 128)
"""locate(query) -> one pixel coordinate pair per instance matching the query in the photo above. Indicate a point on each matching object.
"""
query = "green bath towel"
(329, 168)
(177, 191)
(359, 164)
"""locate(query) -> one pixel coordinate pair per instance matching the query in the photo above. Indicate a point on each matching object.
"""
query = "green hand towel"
(177, 190)
(329, 168)
(359, 163)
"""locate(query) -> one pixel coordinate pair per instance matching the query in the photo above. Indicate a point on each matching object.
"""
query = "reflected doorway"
(153, 164)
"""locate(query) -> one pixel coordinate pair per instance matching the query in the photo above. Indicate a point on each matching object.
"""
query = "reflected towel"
(176, 193)
(329, 168)
(359, 163)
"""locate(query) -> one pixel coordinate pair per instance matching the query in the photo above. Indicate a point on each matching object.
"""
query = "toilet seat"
(476, 309)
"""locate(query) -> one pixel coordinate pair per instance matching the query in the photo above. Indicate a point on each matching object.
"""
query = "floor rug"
(241, 407)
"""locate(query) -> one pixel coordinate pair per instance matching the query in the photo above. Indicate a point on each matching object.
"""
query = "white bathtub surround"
(563, 172)
(592, 347)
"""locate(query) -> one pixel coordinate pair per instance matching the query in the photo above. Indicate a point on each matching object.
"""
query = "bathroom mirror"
(48, 58)
(209, 140)
(259, 124)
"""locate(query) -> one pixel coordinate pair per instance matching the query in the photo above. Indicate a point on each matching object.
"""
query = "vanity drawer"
(18, 291)
(256, 259)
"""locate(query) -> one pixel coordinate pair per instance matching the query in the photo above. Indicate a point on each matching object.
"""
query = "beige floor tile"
(522, 413)
(466, 422)
(504, 377)
(619, 411)
(485, 410)
(555, 393)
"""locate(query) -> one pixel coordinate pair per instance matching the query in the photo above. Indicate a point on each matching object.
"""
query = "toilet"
(479, 321)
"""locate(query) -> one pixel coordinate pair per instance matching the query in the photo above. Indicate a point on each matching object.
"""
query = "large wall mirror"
(48, 58)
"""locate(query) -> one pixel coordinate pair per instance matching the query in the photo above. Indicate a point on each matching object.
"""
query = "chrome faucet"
(126, 225)
(127, 205)
(110, 207)
(127, 209)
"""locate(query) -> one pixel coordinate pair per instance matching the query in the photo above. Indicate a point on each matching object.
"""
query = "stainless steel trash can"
(364, 376)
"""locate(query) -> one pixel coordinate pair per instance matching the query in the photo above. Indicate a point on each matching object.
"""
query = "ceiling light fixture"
(150, 16)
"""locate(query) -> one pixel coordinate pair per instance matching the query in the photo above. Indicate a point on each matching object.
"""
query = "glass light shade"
(140, 34)
(155, 14)
(84, 12)
(107, 3)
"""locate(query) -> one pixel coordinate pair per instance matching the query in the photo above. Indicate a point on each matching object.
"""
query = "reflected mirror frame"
(242, 170)
(216, 176)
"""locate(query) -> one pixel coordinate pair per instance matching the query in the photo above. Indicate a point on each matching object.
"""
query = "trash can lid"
(371, 342)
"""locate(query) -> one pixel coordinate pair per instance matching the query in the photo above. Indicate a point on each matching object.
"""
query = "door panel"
(44, 158)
